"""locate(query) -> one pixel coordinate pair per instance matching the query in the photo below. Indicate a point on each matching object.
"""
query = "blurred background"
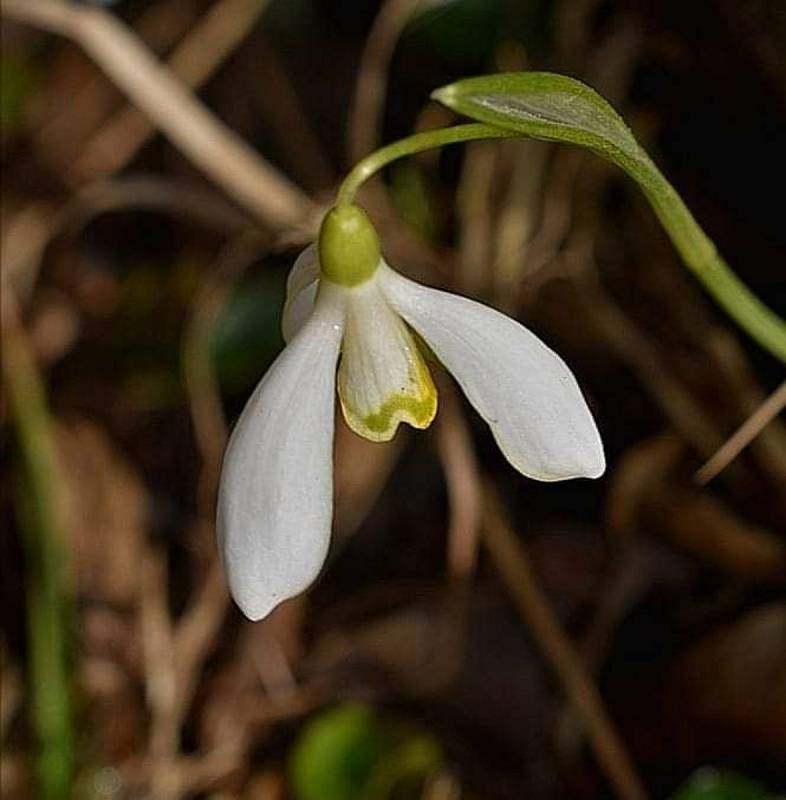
(474, 634)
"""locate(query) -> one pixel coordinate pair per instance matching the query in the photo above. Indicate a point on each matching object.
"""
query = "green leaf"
(708, 783)
(558, 108)
(49, 606)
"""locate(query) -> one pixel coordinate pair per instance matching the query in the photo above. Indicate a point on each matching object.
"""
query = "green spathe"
(558, 108)
(349, 251)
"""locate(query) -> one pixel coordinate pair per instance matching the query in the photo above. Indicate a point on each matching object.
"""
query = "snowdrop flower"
(348, 322)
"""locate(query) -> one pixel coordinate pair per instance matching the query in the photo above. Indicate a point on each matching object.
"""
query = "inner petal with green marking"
(383, 379)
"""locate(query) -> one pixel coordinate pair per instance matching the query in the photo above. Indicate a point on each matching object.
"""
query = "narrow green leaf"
(542, 105)
(48, 600)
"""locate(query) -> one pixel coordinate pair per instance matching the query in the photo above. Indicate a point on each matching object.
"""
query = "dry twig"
(365, 114)
(517, 574)
(223, 155)
(160, 676)
(202, 51)
(463, 483)
(743, 436)
(61, 129)
(476, 215)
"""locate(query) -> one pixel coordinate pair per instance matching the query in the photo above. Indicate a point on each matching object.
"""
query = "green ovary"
(349, 251)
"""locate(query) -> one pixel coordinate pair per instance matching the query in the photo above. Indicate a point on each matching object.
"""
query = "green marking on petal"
(417, 408)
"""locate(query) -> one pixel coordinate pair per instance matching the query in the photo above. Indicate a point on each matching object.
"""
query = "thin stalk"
(702, 258)
(417, 143)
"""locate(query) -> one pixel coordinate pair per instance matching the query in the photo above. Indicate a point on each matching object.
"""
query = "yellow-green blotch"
(417, 409)
(349, 251)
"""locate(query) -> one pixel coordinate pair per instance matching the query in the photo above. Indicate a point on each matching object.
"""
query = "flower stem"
(417, 143)
(703, 260)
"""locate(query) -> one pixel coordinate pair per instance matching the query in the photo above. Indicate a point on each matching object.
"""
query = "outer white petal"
(523, 390)
(302, 284)
(275, 501)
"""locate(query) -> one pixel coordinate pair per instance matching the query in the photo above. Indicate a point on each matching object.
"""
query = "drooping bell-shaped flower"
(348, 322)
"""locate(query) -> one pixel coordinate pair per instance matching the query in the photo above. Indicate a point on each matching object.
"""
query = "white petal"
(275, 502)
(302, 284)
(523, 390)
(383, 379)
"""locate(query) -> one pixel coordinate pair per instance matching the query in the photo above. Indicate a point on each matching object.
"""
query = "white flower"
(276, 498)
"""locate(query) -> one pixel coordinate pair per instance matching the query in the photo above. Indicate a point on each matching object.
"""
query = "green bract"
(349, 251)
(545, 106)
(557, 108)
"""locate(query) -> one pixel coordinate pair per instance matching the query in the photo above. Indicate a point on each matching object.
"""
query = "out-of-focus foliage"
(712, 784)
(353, 752)
(247, 335)
(463, 31)
(17, 83)
(410, 192)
